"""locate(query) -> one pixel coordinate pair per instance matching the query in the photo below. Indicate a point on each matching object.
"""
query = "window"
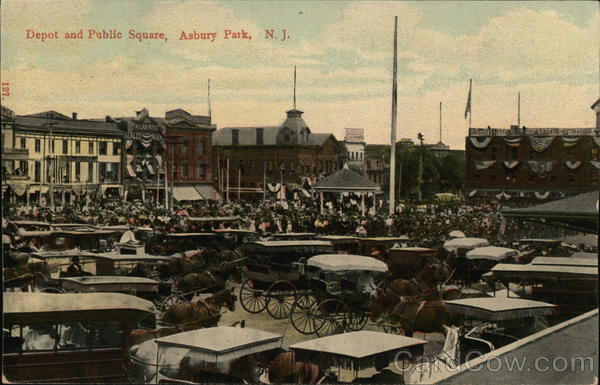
(184, 170)
(116, 149)
(202, 171)
(77, 171)
(200, 146)
(23, 142)
(102, 172)
(259, 136)
(184, 146)
(37, 171)
(77, 147)
(52, 146)
(103, 148)
(91, 147)
(90, 176)
(38, 145)
(23, 167)
(492, 177)
(235, 137)
(65, 147)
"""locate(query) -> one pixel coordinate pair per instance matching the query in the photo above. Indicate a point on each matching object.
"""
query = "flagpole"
(519, 111)
(470, 102)
(392, 208)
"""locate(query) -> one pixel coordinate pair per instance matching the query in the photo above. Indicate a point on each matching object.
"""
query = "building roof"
(7, 113)
(596, 104)
(69, 126)
(346, 180)
(578, 212)
(247, 135)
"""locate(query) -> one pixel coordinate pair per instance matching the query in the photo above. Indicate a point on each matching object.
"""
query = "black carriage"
(341, 286)
(171, 243)
(342, 243)
(275, 274)
(231, 239)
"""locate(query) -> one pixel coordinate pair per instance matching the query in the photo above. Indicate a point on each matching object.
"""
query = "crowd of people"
(430, 223)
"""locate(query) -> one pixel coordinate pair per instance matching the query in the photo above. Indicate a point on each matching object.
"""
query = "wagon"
(84, 236)
(368, 245)
(231, 239)
(406, 262)
(357, 351)
(339, 293)
(140, 287)
(208, 355)
(275, 274)
(342, 243)
(57, 261)
(293, 236)
(171, 243)
(78, 338)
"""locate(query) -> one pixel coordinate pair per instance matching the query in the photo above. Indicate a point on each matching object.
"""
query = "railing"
(14, 151)
(532, 131)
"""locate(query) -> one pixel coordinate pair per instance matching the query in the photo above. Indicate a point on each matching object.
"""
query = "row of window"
(200, 147)
(107, 172)
(355, 155)
(186, 171)
(286, 165)
(102, 147)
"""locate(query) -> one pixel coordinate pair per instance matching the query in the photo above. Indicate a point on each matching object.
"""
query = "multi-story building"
(15, 167)
(143, 175)
(67, 157)
(248, 158)
(188, 155)
(377, 165)
(522, 162)
(354, 141)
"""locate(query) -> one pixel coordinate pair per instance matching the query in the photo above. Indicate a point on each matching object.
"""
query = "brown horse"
(140, 335)
(191, 261)
(198, 281)
(201, 314)
(285, 370)
(403, 287)
(413, 315)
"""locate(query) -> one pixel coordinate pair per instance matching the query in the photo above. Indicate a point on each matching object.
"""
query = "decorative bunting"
(540, 195)
(484, 164)
(472, 193)
(595, 163)
(570, 141)
(514, 142)
(503, 195)
(541, 167)
(541, 143)
(480, 143)
(573, 164)
(510, 164)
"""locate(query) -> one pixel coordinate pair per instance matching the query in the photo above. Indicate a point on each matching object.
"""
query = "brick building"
(538, 163)
(289, 152)
(188, 155)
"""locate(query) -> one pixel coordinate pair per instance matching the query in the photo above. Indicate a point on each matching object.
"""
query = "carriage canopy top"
(343, 262)
(222, 343)
(493, 253)
(465, 243)
(499, 308)
(36, 303)
(355, 350)
(560, 261)
(64, 254)
(543, 272)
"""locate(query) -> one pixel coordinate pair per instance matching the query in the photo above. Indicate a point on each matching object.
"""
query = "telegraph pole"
(394, 118)
(420, 176)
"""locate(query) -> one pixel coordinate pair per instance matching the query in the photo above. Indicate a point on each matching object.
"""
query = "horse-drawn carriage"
(21, 272)
(293, 236)
(570, 283)
(380, 244)
(406, 262)
(359, 351)
(211, 355)
(231, 239)
(274, 273)
(83, 236)
(69, 337)
(171, 243)
(340, 289)
(342, 243)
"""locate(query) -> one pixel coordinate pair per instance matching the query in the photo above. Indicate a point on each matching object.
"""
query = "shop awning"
(186, 193)
(208, 192)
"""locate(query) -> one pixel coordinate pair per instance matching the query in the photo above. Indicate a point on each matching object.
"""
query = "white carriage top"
(99, 280)
(544, 271)
(568, 261)
(493, 253)
(222, 343)
(465, 243)
(34, 303)
(292, 243)
(345, 262)
(356, 350)
(500, 308)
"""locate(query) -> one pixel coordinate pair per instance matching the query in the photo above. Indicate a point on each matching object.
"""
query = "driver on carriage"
(75, 268)
(129, 237)
(366, 284)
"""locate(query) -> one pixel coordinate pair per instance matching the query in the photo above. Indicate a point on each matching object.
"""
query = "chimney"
(74, 115)
(108, 118)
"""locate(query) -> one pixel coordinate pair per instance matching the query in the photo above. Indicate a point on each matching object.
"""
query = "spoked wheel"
(170, 301)
(280, 298)
(332, 315)
(252, 300)
(355, 320)
(303, 314)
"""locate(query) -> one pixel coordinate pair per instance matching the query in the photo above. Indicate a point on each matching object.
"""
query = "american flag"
(468, 108)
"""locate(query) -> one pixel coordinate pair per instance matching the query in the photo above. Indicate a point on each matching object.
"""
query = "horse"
(201, 313)
(403, 287)
(138, 336)
(285, 370)
(198, 281)
(191, 261)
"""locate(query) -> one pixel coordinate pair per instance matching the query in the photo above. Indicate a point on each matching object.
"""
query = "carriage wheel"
(252, 300)
(280, 298)
(332, 313)
(355, 320)
(303, 315)
(56, 290)
(170, 301)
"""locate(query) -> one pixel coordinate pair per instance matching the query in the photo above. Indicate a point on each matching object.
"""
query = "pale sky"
(547, 51)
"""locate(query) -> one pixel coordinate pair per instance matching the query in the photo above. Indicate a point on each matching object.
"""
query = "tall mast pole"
(209, 106)
(471, 100)
(519, 111)
(394, 117)
(440, 122)
(294, 87)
